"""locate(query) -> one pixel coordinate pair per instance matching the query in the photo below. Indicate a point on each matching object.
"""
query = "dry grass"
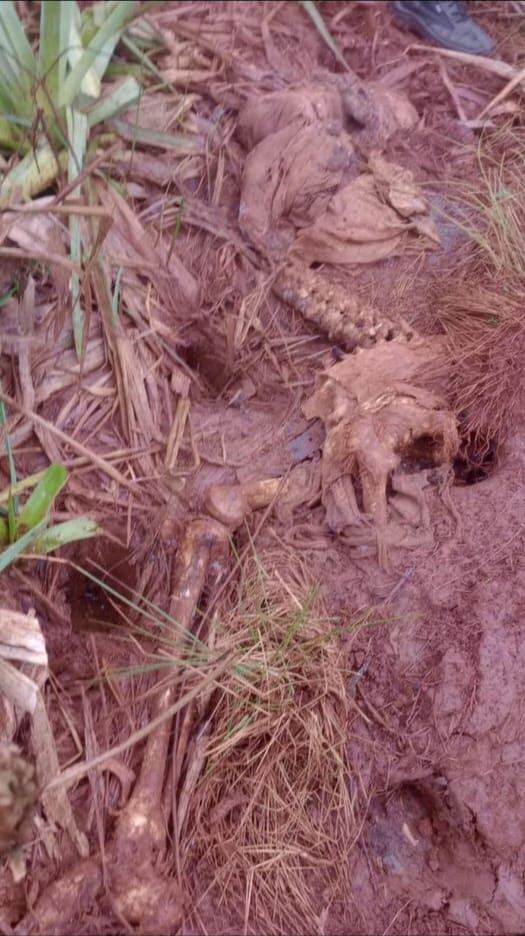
(481, 307)
(272, 819)
(486, 335)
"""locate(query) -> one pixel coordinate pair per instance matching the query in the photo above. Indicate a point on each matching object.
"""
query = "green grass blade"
(183, 143)
(23, 485)
(8, 448)
(78, 133)
(115, 299)
(39, 502)
(15, 44)
(13, 88)
(119, 16)
(143, 59)
(11, 518)
(104, 55)
(8, 100)
(9, 139)
(12, 498)
(9, 555)
(61, 534)
(56, 17)
(120, 99)
(319, 23)
(89, 85)
(8, 294)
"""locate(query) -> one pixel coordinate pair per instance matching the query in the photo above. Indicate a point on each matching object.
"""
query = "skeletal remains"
(131, 872)
(381, 426)
(317, 189)
(376, 412)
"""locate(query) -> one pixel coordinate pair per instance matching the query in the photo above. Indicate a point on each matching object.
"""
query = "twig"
(453, 93)
(503, 93)
(496, 66)
(16, 253)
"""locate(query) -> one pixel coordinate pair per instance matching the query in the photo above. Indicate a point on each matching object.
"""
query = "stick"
(453, 93)
(496, 66)
(503, 93)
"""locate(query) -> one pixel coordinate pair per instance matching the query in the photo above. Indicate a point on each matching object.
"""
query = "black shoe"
(446, 22)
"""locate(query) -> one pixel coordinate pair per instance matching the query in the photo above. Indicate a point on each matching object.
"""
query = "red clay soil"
(437, 735)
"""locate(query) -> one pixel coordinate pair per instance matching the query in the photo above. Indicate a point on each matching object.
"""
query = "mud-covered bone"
(377, 413)
(336, 312)
(141, 894)
(18, 795)
(231, 503)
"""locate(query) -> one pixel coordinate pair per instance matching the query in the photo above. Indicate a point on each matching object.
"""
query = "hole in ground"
(93, 609)
(425, 451)
(476, 461)
(210, 365)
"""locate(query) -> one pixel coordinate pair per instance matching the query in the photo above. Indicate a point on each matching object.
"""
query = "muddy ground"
(435, 674)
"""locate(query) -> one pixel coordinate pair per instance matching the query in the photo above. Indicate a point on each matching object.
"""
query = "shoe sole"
(410, 22)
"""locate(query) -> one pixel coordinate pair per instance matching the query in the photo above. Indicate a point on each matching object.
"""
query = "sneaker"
(445, 22)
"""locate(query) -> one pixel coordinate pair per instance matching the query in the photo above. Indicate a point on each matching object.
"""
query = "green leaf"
(23, 485)
(13, 551)
(9, 450)
(78, 133)
(4, 531)
(119, 16)
(11, 518)
(61, 534)
(89, 85)
(183, 143)
(34, 173)
(119, 99)
(10, 456)
(16, 48)
(322, 29)
(9, 293)
(39, 502)
(56, 17)
(115, 299)
(141, 57)
(104, 55)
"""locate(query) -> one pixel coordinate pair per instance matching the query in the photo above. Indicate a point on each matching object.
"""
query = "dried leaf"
(55, 801)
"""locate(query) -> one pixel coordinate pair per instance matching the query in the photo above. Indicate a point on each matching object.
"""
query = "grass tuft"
(480, 307)
(272, 819)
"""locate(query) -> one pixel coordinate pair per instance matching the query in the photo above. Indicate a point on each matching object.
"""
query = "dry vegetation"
(481, 306)
(276, 811)
(259, 802)
(97, 377)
